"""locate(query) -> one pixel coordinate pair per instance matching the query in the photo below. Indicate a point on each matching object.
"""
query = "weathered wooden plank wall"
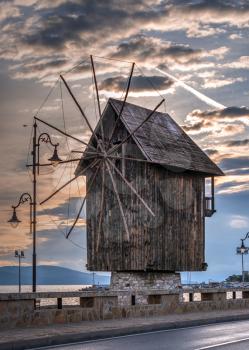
(172, 241)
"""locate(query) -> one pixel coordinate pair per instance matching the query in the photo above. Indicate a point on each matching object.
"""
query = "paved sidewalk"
(27, 338)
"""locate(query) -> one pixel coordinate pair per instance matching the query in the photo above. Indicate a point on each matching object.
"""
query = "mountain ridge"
(50, 275)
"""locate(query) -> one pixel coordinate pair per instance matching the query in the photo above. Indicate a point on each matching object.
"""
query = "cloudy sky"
(203, 48)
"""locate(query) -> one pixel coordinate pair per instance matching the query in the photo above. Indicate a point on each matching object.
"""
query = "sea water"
(48, 288)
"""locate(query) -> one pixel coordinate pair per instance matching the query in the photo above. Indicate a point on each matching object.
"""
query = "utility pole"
(34, 208)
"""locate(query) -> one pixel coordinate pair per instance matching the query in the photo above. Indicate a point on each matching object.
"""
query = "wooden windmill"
(145, 191)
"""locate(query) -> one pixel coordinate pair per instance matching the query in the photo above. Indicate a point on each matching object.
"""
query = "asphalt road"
(223, 336)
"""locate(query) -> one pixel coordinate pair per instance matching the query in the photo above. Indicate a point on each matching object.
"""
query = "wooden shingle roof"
(163, 141)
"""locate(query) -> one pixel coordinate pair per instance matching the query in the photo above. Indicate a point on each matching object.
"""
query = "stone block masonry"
(19, 310)
(144, 281)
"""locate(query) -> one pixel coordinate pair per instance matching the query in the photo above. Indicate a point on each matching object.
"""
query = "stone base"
(144, 281)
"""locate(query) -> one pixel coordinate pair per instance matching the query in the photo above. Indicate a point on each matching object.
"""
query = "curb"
(65, 339)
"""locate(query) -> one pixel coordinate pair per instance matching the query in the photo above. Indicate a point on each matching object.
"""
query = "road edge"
(65, 339)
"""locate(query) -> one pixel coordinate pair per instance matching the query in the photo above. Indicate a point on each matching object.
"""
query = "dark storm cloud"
(198, 121)
(139, 83)
(195, 127)
(227, 185)
(49, 63)
(71, 21)
(237, 143)
(211, 152)
(145, 48)
(63, 211)
(225, 113)
(234, 163)
(239, 172)
(73, 28)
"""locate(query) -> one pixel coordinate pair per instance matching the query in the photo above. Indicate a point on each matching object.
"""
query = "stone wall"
(18, 310)
(144, 281)
(22, 312)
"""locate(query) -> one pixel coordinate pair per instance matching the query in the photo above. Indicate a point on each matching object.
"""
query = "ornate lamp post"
(54, 160)
(19, 255)
(241, 251)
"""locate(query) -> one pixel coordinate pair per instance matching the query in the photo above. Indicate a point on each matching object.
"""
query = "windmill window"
(209, 200)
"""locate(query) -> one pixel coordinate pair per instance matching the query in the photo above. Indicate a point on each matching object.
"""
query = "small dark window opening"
(154, 299)
(206, 296)
(133, 300)
(209, 201)
(245, 294)
(87, 302)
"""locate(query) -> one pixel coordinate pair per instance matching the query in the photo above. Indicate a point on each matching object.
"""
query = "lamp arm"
(25, 197)
(246, 236)
(45, 137)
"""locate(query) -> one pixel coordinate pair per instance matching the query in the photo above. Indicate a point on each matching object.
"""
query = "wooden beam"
(83, 202)
(132, 159)
(132, 188)
(101, 204)
(59, 189)
(123, 104)
(63, 133)
(136, 129)
(81, 111)
(97, 95)
(119, 202)
(77, 103)
(68, 182)
(87, 152)
(212, 191)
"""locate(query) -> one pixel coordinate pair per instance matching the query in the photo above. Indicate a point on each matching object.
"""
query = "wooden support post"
(212, 189)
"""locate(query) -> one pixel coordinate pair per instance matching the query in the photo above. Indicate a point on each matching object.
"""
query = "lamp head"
(14, 221)
(16, 254)
(242, 247)
(22, 254)
(55, 159)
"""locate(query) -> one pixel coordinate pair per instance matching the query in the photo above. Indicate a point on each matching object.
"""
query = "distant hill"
(50, 275)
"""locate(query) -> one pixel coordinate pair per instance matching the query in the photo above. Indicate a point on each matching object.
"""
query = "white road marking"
(141, 334)
(122, 336)
(223, 344)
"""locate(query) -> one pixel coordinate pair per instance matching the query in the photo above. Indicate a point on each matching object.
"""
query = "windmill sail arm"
(83, 203)
(131, 187)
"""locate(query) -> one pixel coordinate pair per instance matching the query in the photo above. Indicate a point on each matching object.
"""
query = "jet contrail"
(198, 94)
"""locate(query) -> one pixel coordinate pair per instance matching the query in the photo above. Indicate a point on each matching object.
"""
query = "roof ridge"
(133, 104)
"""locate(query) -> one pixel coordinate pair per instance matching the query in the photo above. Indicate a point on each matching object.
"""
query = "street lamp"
(45, 137)
(14, 221)
(241, 251)
(55, 160)
(19, 255)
